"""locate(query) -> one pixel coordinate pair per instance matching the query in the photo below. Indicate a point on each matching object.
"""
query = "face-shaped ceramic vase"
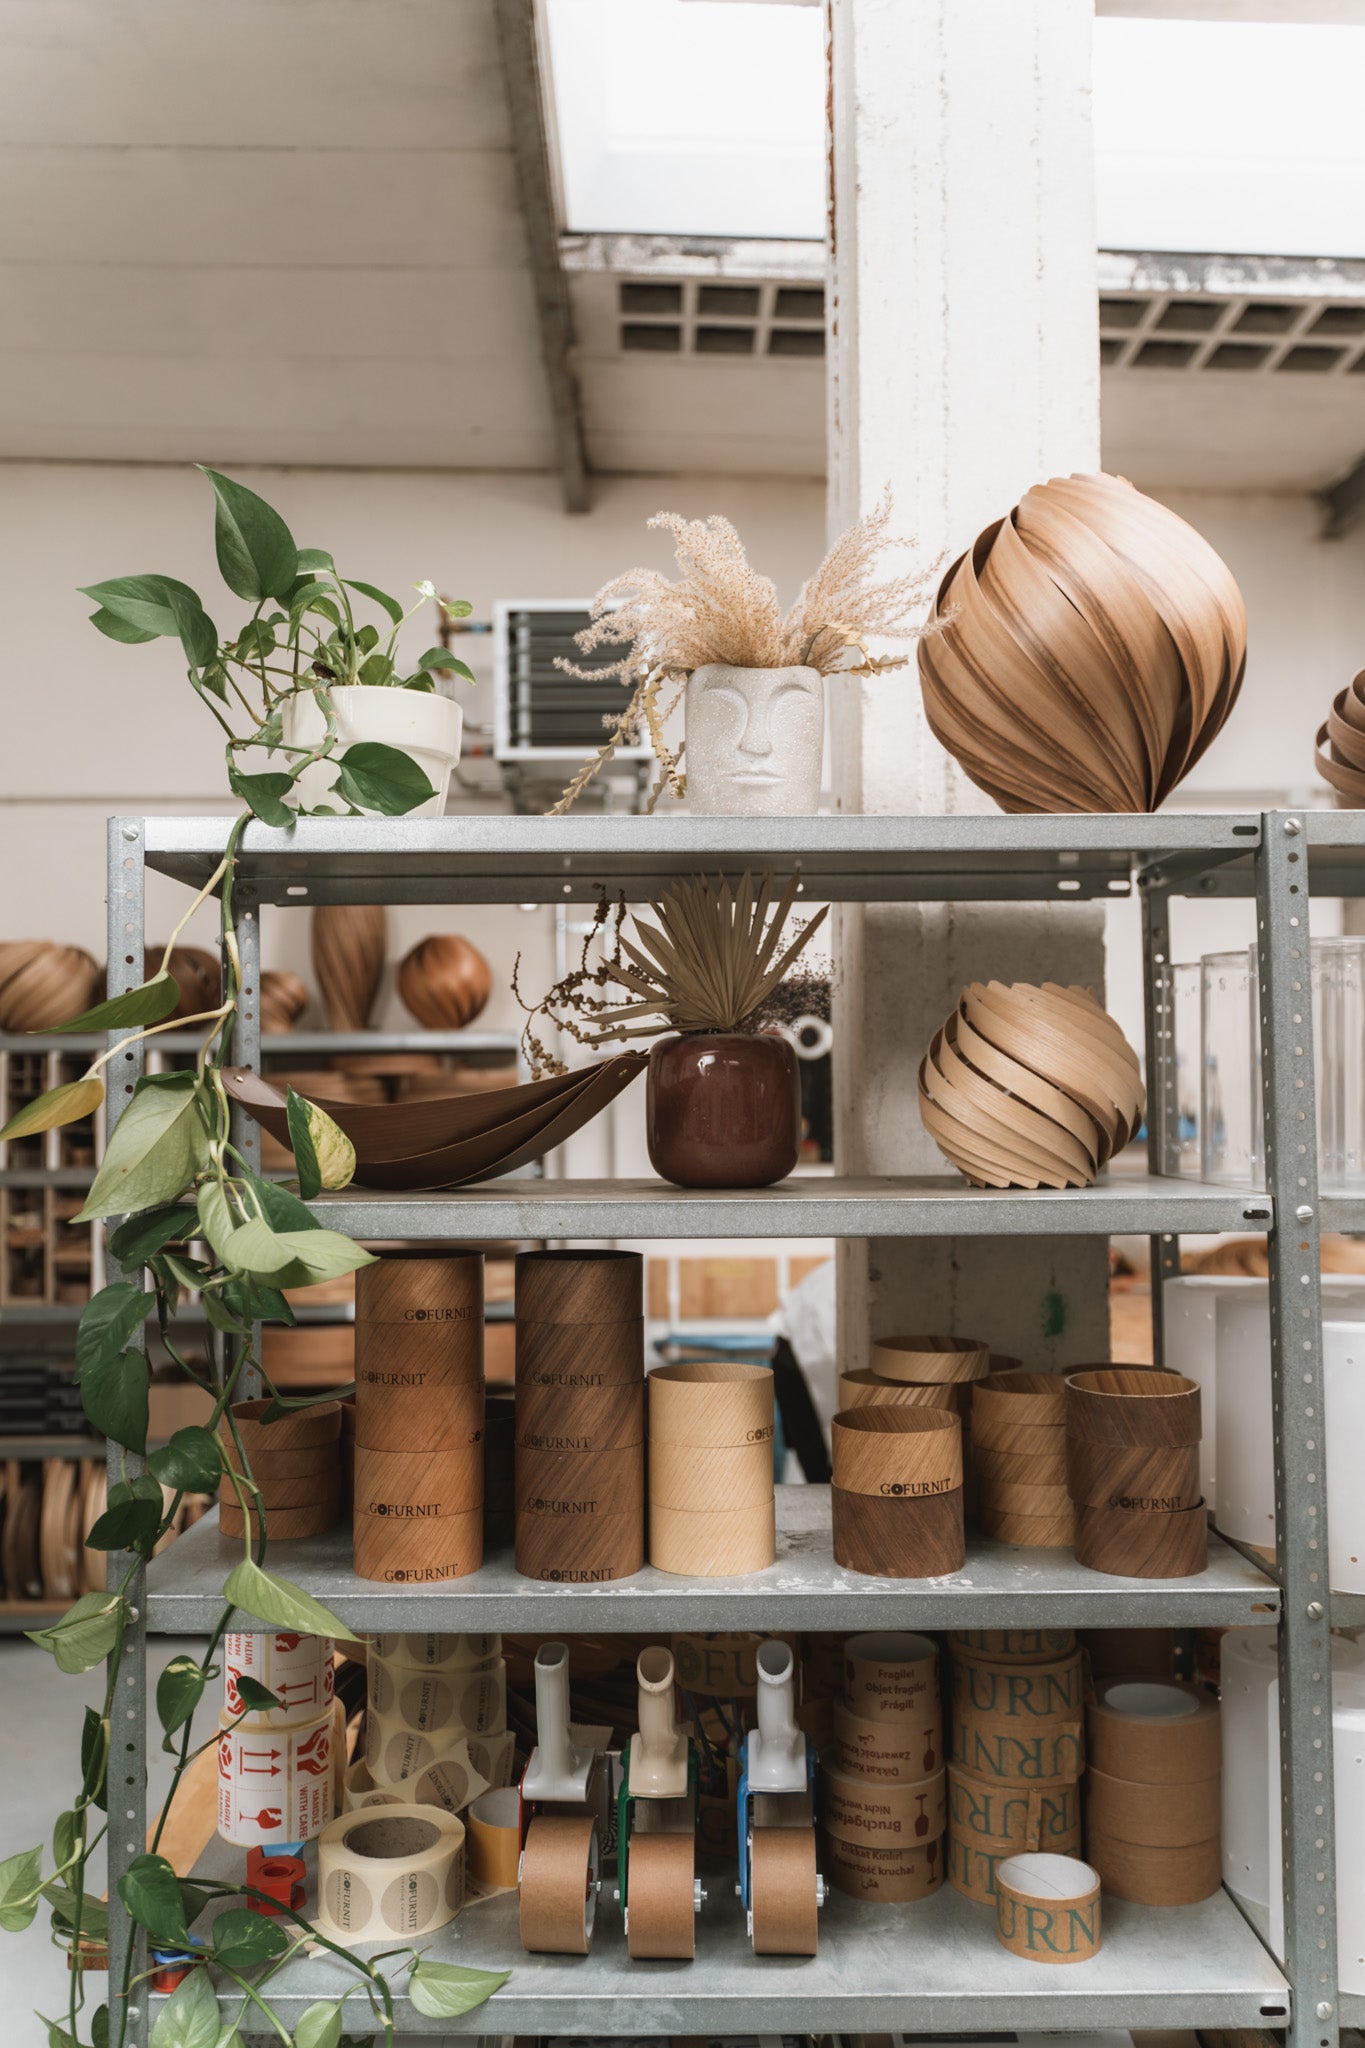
(755, 741)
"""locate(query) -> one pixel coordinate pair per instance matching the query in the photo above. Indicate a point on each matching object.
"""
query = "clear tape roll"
(436, 1653)
(275, 1784)
(397, 1870)
(297, 1669)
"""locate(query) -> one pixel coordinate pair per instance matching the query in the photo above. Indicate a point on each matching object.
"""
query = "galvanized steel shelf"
(999, 1587)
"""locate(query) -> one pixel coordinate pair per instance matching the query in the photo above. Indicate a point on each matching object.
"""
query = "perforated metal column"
(246, 1052)
(1158, 990)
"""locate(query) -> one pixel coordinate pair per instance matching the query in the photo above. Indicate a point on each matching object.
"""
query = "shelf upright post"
(1305, 1650)
(127, 1769)
(246, 1052)
(1158, 994)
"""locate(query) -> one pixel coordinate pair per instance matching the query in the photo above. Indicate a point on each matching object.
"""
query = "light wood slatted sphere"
(445, 982)
(1343, 764)
(1088, 648)
(1027, 1087)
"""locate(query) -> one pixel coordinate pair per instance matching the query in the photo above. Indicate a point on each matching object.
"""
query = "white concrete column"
(965, 367)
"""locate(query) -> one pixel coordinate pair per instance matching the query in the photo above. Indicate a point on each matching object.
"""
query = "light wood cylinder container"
(712, 1403)
(870, 1390)
(1125, 1404)
(925, 1359)
(580, 1287)
(701, 1478)
(1012, 1397)
(721, 1543)
(897, 1451)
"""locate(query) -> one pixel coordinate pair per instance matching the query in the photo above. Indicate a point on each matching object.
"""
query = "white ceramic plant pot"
(755, 741)
(418, 723)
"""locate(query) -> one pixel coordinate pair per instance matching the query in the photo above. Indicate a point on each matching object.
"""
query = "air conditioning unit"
(541, 714)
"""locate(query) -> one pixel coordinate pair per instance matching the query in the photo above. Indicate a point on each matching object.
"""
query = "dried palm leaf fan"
(349, 944)
(1343, 765)
(445, 982)
(1028, 1087)
(1090, 647)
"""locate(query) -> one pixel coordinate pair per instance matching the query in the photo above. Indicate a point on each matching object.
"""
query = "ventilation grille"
(691, 317)
(541, 710)
(1294, 337)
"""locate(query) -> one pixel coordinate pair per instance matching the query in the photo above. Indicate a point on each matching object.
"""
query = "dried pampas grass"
(719, 609)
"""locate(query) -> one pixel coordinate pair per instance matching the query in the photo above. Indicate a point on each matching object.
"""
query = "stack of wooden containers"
(896, 1493)
(295, 1461)
(1132, 1458)
(1019, 1458)
(1018, 1751)
(712, 1508)
(580, 1453)
(884, 1801)
(419, 1417)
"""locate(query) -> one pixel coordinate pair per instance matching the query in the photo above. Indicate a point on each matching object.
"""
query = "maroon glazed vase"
(723, 1109)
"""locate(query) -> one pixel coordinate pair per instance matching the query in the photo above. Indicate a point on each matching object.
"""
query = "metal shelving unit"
(935, 1965)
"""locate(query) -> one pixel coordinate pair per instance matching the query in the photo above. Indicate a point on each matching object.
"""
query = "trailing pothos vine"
(194, 1220)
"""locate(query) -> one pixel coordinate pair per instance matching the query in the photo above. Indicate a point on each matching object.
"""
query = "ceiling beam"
(1344, 503)
(535, 181)
(1325, 13)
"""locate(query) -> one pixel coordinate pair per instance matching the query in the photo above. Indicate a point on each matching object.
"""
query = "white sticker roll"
(451, 1780)
(436, 1653)
(391, 1870)
(275, 1784)
(493, 1756)
(297, 1669)
(416, 1716)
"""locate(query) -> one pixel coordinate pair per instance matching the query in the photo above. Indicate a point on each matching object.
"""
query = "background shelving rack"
(879, 1969)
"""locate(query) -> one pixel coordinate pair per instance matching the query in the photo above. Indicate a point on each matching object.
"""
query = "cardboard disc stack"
(1132, 1460)
(1153, 1790)
(418, 1490)
(1017, 1752)
(295, 1461)
(1019, 1459)
(712, 1511)
(884, 1790)
(580, 1454)
(896, 1496)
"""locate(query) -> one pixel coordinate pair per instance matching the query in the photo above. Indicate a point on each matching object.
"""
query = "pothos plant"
(195, 1219)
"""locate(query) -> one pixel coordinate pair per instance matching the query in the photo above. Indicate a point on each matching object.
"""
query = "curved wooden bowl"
(1343, 737)
(1088, 648)
(445, 982)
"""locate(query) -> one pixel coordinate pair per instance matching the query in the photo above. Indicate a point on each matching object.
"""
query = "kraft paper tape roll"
(559, 1884)
(436, 1653)
(889, 1674)
(701, 1478)
(866, 1389)
(1014, 1397)
(1165, 1876)
(1157, 1477)
(283, 1525)
(390, 1870)
(902, 1751)
(856, 1810)
(580, 1287)
(897, 1452)
(1019, 1645)
(660, 1905)
(898, 1538)
(297, 1669)
(1047, 1908)
(400, 1552)
(1037, 1442)
(1128, 1404)
(1130, 1543)
(783, 1895)
(930, 1358)
(719, 1544)
(971, 1866)
(1025, 1697)
(890, 1876)
(574, 1549)
(580, 1358)
(275, 1784)
(713, 1402)
(436, 1703)
(1024, 1497)
(1153, 1816)
(438, 1293)
(1154, 1731)
(722, 1666)
(579, 1418)
(402, 1402)
(1005, 1817)
(494, 1824)
(589, 1482)
(1028, 1532)
(1003, 1755)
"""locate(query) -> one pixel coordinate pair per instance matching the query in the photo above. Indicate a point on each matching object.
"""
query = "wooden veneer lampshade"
(1030, 1087)
(1343, 736)
(349, 941)
(445, 982)
(1089, 647)
(42, 984)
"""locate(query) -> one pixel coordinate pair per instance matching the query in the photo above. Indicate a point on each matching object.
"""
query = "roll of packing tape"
(661, 1911)
(397, 1754)
(275, 1784)
(1020, 1645)
(494, 1824)
(1013, 1817)
(703, 1478)
(1047, 1908)
(718, 1545)
(437, 1653)
(855, 1810)
(889, 1875)
(1162, 1876)
(1022, 1698)
(971, 1865)
(924, 1359)
(559, 1881)
(784, 1892)
(394, 1870)
(712, 1403)
(868, 1389)
(1004, 1755)
(900, 1750)
(1154, 1731)
(432, 1702)
(297, 1669)
(889, 1674)
(1153, 1816)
